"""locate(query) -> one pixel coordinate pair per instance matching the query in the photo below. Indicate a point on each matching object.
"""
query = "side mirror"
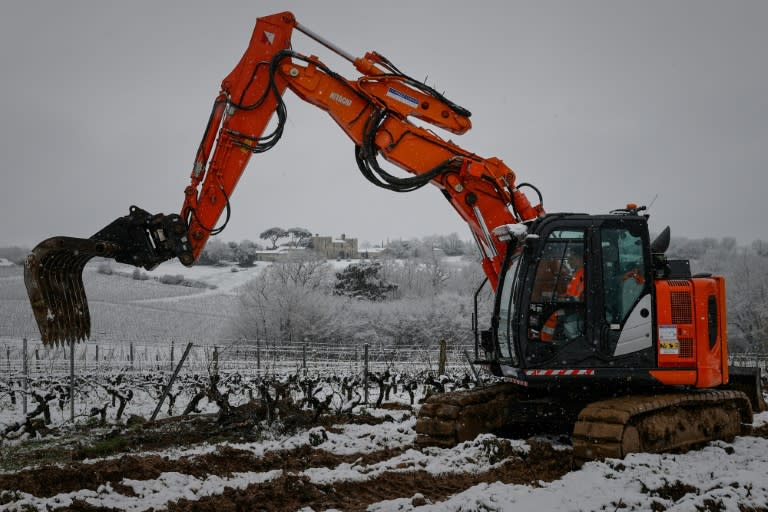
(661, 243)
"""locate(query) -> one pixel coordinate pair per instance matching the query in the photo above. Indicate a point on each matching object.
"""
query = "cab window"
(557, 298)
(623, 272)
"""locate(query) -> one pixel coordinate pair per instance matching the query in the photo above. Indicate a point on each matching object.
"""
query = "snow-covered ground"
(720, 476)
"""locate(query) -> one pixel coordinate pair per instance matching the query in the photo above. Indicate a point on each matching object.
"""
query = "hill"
(126, 308)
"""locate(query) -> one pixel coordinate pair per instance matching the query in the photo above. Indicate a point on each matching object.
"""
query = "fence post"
(26, 376)
(98, 363)
(365, 373)
(72, 381)
(304, 357)
(258, 356)
(170, 382)
(215, 360)
(441, 361)
(37, 360)
(8, 358)
(173, 348)
(130, 356)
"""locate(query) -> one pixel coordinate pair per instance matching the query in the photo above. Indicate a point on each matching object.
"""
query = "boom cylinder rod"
(323, 41)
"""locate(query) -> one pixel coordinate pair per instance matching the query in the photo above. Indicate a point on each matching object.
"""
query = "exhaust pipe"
(53, 271)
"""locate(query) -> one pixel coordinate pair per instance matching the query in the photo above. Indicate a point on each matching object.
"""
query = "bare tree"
(291, 300)
(748, 299)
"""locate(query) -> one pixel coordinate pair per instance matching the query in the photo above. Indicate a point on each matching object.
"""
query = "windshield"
(507, 312)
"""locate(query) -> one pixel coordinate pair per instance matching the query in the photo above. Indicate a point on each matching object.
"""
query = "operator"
(574, 292)
(575, 289)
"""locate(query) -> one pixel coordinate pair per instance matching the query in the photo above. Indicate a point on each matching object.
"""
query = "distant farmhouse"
(327, 246)
(335, 248)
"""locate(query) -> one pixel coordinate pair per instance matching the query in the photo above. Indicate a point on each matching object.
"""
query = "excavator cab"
(591, 297)
(582, 296)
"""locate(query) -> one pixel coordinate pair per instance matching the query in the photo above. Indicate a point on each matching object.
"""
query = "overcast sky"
(103, 103)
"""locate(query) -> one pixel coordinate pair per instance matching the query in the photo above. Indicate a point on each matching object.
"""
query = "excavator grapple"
(53, 271)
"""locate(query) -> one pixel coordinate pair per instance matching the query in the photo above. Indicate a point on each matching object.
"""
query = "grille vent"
(682, 310)
(686, 348)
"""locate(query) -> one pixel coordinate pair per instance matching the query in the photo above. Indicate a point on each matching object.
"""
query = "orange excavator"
(635, 359)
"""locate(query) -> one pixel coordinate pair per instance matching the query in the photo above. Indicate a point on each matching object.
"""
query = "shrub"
(177, 279)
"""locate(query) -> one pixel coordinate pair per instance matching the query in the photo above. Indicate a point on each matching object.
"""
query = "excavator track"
(614, 427)
(658, 423)
(447, 419)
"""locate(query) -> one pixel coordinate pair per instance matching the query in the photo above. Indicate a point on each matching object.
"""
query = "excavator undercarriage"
(599, 425)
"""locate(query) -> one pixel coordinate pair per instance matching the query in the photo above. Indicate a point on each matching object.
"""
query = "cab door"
(624, 303)
(555, 324)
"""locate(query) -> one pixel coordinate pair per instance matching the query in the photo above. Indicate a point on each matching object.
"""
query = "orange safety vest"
(575, 289)
(576, 286)
(548, 330)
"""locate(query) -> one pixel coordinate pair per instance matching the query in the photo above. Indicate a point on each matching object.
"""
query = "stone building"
(335, 248)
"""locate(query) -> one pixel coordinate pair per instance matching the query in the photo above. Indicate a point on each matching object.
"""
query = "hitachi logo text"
(341, 99)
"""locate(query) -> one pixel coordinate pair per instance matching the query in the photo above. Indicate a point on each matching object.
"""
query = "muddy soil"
(290, 491)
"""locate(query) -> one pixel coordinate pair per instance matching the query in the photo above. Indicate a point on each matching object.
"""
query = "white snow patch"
(728, 474)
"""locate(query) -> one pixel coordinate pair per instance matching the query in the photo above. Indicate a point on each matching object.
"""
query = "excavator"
(593, 329)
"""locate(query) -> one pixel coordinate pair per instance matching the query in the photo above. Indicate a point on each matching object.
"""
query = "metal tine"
(69, 273)
(79, 298)
(56, 296)
(52, 288)
(70, 295)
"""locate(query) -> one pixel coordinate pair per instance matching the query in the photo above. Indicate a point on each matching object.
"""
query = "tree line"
(394, 302)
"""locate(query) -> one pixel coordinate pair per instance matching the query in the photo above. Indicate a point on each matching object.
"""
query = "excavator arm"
(376, 111)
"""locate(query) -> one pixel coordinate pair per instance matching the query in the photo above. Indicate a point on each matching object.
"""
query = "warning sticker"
(669, 348)
(668, 342)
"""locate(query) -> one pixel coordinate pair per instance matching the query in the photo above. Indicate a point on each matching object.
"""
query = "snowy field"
(720, 476)
(366, 461)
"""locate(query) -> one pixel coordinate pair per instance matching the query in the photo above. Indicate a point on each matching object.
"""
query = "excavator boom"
(375, 111)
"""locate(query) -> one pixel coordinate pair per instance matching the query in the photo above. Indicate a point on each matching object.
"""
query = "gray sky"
(103, 103)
